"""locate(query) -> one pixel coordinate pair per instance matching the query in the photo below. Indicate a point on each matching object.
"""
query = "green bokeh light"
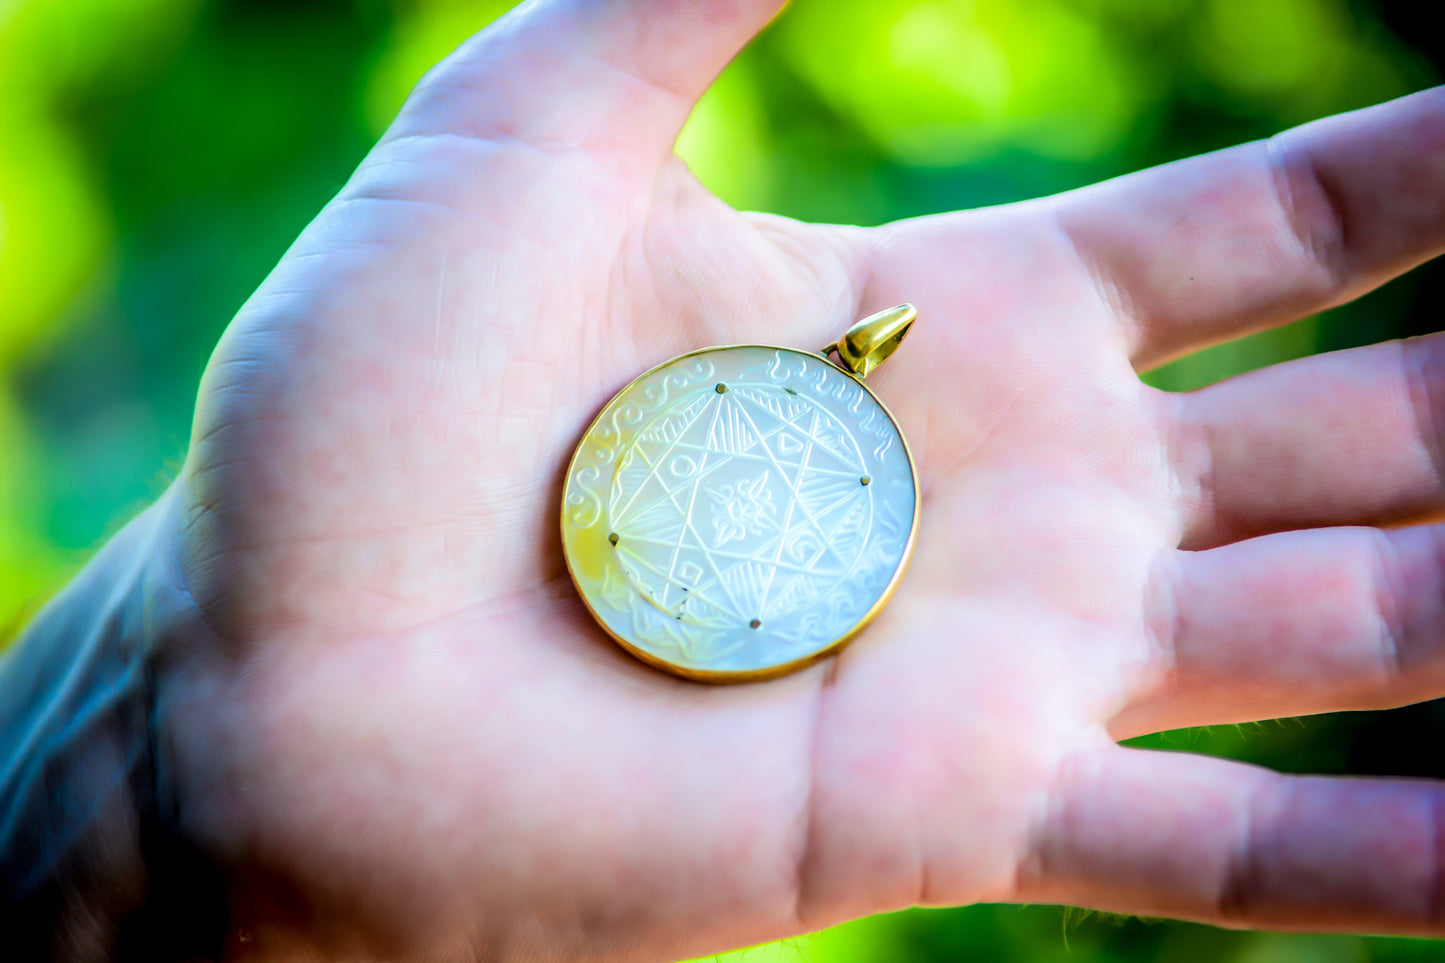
(157, 156)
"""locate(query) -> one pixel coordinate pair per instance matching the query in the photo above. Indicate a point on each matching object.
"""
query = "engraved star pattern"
(739, 505)
(737, 509)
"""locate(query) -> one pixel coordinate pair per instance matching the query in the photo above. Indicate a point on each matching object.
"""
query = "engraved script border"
(577, 494)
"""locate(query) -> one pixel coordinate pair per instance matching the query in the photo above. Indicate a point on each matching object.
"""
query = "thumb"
(609, 74)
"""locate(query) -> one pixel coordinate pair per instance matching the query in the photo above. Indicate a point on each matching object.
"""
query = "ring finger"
(1294, 624)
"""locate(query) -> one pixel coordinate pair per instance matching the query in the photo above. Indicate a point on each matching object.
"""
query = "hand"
(395, 726)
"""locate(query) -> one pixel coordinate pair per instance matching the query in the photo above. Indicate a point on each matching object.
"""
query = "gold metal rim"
(772, 672)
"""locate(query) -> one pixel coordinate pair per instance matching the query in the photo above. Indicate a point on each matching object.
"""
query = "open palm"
(397, 728)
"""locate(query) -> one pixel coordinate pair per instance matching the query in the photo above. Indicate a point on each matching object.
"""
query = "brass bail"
(868, 343)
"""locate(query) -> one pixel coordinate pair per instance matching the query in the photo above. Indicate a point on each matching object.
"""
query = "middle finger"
(1347, 438)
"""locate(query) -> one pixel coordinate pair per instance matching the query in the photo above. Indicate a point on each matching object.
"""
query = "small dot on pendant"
(864, 480)
(755, 624)
(721, 388)
(612, 538)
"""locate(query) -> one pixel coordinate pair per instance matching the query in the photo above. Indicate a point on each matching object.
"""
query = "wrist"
(92, 865)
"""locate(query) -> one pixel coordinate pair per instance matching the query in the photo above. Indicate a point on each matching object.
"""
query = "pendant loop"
(867, 344)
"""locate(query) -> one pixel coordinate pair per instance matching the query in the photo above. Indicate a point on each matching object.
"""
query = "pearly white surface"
(740, 506)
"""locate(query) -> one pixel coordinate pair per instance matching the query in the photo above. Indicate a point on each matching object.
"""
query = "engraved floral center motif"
(742, 509)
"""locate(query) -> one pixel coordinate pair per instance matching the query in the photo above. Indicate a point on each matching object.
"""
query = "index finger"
(1213, 247)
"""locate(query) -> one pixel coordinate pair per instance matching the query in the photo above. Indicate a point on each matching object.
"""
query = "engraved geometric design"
(738, 510)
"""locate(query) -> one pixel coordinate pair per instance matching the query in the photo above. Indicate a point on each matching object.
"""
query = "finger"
(1171, 834)
(1215, 246)
(596, 73)
(1346, 438)
(1295, 624)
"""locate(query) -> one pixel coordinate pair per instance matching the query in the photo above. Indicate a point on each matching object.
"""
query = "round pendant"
(739, 512)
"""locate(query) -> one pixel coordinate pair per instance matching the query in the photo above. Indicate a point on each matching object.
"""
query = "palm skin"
(398, 729)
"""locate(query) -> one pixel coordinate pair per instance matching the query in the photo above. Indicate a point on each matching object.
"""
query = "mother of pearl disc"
(738, 512)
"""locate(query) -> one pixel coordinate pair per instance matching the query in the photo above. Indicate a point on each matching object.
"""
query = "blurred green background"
(157, 156)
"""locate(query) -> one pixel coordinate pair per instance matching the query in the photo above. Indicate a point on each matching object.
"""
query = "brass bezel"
(757, 675)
